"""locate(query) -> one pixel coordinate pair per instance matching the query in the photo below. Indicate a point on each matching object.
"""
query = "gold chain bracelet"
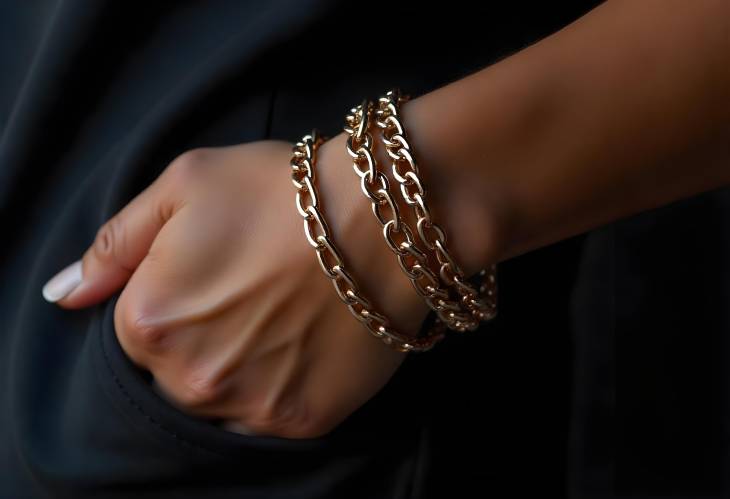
(319, 237)
(412, 260)
(482, 303)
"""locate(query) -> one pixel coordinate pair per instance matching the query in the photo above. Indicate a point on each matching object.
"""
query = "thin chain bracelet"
(482, 303)
(412, 260)
(319, 237)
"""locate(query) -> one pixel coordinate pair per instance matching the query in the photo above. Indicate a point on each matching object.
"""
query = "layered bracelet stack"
(459, 305)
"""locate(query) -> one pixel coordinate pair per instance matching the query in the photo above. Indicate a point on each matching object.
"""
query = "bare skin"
(224, 301)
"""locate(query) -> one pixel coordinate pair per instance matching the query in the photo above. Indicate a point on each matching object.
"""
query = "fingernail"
(63, 283)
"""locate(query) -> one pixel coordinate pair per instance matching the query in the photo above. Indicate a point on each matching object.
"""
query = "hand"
(224, 301)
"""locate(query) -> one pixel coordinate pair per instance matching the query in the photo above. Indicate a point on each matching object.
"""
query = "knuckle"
(187, 167)
(268, 419)
(135, 329)
(288, 421)
(310, 428)
(200, 389)
(109, 241)
(146, 335)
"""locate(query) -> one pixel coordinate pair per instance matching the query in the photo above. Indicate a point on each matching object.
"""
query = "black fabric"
(604, 373)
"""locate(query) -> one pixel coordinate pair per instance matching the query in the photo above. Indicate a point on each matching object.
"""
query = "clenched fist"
(224, 301)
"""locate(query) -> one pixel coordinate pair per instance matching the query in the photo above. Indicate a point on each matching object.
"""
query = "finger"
(228, 424)
(119, 246)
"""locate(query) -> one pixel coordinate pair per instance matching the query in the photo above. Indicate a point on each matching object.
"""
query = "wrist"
(476, 139)
(357, 234)
(469, 198)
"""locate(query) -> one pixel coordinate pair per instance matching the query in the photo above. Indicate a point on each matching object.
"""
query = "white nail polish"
(63, 283)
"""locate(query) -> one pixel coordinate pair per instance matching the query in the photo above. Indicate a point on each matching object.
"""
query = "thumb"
(118, 248)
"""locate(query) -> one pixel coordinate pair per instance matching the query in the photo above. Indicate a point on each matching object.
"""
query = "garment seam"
(150, 419)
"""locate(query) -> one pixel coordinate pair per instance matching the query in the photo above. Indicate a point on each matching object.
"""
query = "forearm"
(626, 109)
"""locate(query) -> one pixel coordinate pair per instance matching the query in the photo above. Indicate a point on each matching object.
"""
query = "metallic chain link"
(319, 237)
(397, 233)
(482, 302)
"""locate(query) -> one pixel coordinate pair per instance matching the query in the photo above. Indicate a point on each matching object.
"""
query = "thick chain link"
(396, 231)
(319, 237)
(483, 302)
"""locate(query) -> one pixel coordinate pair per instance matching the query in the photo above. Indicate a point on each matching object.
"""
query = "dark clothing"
(604, 372)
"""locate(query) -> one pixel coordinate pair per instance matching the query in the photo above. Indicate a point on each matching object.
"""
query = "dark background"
(603, 375)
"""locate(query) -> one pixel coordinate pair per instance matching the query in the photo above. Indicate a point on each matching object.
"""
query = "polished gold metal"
(397, 233)
(319, 237)
(482, 303)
